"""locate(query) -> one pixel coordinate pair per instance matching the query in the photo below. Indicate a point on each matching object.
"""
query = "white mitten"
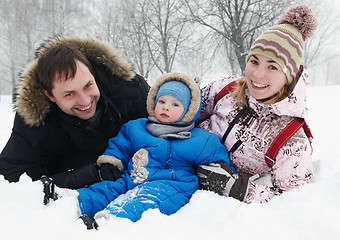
(140, 159)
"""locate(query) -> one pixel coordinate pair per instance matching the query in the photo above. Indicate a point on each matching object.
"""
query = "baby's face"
(168, 109)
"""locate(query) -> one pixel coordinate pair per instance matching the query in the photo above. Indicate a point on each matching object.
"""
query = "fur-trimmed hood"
(194, 108)
(31, 103)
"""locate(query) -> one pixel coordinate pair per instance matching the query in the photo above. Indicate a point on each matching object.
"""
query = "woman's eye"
(254, 62)
(273, 68)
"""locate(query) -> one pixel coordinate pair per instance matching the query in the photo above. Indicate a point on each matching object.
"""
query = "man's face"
(78, 96)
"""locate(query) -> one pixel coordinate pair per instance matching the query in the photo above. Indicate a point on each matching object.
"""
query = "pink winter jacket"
(257, 130)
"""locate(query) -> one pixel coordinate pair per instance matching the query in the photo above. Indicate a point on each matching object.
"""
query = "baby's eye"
(176, 105)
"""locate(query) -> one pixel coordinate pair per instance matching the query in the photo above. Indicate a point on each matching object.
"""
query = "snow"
(309, 212)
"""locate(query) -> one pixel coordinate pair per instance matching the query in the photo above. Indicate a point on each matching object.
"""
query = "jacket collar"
(31, 103)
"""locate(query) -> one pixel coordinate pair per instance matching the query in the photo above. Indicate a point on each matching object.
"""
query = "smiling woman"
(264, 77)
(270, 96)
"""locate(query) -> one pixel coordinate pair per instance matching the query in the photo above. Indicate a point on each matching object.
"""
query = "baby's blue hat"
(178, 90)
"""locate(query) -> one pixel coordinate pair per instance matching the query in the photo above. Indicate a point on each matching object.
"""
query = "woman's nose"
(258, 73)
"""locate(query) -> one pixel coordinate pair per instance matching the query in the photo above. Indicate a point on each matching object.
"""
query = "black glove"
(109, 172)
(77, 178)
(89, 222)
(48, 189)
(220, 178)
(86, 176)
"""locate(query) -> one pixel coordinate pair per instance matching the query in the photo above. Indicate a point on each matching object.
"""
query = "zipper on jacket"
(169, 154)
(169, 160)
(263, 111)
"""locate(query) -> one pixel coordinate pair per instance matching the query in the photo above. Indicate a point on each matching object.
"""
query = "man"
(72, 99)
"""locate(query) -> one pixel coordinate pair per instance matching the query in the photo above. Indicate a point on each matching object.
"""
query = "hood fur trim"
(31, 103)
(195, 103)
(111, 160)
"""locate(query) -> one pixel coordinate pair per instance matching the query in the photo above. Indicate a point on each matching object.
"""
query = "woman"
(258, 108)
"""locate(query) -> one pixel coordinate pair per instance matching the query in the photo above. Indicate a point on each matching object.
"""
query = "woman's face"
(264, 77)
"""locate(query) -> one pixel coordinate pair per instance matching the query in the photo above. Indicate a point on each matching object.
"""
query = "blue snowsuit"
(171, 166)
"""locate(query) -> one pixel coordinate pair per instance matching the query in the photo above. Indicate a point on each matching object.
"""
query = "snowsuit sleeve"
(292, 169)
(214, 151)
(121, 146)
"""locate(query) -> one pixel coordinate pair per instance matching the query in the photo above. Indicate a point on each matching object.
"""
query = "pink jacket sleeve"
(292, 169)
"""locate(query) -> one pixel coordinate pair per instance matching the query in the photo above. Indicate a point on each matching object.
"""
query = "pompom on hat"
(284, 42)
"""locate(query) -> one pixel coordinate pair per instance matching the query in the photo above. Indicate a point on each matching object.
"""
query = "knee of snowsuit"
(97, 196)
(118, 199)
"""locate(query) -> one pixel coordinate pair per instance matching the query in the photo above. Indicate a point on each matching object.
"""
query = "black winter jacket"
(47, 141)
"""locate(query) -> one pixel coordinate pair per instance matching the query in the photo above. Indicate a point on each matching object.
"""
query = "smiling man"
(77, 96)
(72, 98)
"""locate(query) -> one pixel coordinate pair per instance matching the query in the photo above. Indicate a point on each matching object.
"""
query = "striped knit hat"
(284, 42)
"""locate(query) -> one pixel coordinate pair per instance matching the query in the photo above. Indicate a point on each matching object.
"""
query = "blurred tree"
(165, 30)
(134, 43)
(18, 23)
(111, 20)
(193, 36)
(328, 25)
(26, 23)
(237, 21)
(322, 51)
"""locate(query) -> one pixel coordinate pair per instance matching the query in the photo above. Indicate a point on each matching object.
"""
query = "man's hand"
(48, 189)
(108, 172)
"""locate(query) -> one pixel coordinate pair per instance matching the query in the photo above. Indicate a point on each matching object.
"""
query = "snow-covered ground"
(309, 212)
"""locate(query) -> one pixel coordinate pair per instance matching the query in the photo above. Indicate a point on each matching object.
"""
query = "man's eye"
(68, 94)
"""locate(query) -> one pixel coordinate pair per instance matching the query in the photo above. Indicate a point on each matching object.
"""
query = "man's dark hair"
(59, 61)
